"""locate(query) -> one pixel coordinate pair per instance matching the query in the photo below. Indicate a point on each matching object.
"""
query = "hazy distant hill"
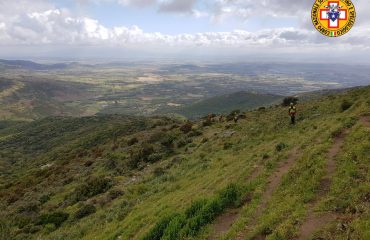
(29, 65)
(226, 103)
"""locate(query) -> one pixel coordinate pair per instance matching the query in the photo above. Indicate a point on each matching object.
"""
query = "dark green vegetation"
(118, 177)
(30, 98)
(199, 214)
(226, 103)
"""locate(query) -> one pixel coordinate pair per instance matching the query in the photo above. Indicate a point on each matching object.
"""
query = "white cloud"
(60, 27)
(40, 23)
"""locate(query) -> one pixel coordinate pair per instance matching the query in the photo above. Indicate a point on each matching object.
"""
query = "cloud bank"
(40, 23)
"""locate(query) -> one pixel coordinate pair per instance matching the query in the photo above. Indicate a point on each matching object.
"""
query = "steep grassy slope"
(226, 103)
(153, 178)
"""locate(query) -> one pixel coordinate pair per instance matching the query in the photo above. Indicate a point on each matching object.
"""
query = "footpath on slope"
(223, 223)
(314, 221)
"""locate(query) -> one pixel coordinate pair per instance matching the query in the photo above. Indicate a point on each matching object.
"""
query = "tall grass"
(196, 216)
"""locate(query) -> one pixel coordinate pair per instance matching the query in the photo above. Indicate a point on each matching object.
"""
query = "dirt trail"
(223, 222)
(273, 182)
(365, 120)
(313, 220)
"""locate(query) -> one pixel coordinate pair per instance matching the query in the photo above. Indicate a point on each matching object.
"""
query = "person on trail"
(292, 112)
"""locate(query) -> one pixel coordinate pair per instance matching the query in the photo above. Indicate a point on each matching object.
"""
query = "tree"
(288, 100)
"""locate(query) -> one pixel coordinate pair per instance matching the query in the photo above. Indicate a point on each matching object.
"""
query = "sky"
(213, 29)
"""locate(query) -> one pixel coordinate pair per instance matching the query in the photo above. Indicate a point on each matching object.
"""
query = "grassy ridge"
(160, 182)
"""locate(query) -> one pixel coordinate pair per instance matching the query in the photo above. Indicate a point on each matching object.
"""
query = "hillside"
(226, 103)
(31, 65)
(118, 177)
(30, 98)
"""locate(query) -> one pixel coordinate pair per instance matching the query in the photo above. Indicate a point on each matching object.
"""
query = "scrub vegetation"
(120, 177)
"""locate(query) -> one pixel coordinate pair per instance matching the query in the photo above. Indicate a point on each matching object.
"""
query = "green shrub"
(195, 208)
(157, 231)
(168, 140)
(140, 154)
(29, 207)
(115, 193)
(158, 171)
(5, 229)
(44, 198)
(187, 127)
(227, 145)
(85, 211)
(279, 147)
(194, 133)
(156, 137)
(345, 105)
(206, 123)
(181, 143)
(132, 141)
(50, 227)
(56, 218)
(174, 227)
(288, 100)
(155, 157)
(91, 188)
(199, 214)
(230, 195)
(145, 151)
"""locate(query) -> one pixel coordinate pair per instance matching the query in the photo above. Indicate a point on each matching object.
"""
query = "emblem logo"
(333, 18)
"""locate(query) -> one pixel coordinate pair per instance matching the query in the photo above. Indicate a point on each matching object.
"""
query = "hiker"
(236, 118)
(292, 113)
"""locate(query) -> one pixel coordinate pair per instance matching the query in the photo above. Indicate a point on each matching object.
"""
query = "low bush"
(288, 100)
(115, 193)
(168, 140)
(158, 171)
(56, 218)
(182, 142)
(187, 127)
(132, 141)
(279, 147)
(155, 157)
(194, 133)
(91, 188)
(85, 211)
(345, 105)
(140, 154)
(199, 214)
(157, 231)
(173, 229)
(227, 145)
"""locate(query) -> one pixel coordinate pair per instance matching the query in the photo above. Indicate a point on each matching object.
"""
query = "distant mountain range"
(29, 65)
